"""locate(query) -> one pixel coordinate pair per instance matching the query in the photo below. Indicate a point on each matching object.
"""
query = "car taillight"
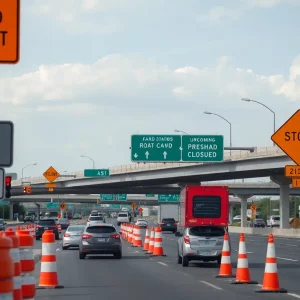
(66, 235)
(161, 223)
(38, 226)
(86, 236)
(115, 236)
(186, 239)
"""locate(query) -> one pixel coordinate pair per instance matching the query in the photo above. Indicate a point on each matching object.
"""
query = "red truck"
(204, 206)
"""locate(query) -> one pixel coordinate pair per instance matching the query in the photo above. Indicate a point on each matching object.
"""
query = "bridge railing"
(138, 167)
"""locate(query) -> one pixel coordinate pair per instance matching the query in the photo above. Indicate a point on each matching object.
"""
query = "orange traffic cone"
(158, 249)
(226, 267)
(147, 237)
(242, 271)
(151, 243)
(271, 280)
(138, 238)
(48, 276)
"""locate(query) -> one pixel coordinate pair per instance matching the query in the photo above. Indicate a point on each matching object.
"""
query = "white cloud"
(61, 111)
(222, 13)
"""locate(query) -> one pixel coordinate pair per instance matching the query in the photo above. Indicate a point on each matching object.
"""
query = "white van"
(123, 217)
(273, 221)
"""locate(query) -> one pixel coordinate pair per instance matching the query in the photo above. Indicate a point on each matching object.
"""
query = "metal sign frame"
(2, 184)
(7, 143)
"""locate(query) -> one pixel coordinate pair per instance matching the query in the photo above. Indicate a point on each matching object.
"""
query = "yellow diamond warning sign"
(51, 174)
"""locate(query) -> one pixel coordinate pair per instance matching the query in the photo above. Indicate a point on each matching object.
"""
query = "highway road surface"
(137, 275)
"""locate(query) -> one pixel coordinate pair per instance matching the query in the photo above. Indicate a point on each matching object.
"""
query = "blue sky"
(93, 72)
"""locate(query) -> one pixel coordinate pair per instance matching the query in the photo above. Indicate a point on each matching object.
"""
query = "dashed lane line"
(289, 259)
(211, 285)
(163, 264)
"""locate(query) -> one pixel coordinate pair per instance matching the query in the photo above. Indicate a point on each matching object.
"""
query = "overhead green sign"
(107, 197)
(202, 148)
(169, 198)
(150, 195)
(3, 203)
(96, 173)
(160, 148)
(52, 205)
(122, 197)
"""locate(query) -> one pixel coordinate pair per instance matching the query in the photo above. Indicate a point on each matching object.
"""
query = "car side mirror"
(178, 234)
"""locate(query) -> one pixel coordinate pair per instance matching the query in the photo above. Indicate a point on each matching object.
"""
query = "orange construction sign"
(9, 31)
(287, 137)
(51, 174)
(296, 182)
(292, 171)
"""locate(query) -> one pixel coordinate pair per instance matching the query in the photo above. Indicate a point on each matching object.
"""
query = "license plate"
(204, 253)
(46, 228)
(168, 225)
(101, 240)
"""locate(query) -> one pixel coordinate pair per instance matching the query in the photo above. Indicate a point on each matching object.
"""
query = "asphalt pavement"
(137, 275)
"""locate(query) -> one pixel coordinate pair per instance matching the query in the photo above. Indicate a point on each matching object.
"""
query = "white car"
(123, 217)
(94, 220)
(141, 223)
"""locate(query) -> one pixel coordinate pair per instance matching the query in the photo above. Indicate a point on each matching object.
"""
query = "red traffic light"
(8, 180)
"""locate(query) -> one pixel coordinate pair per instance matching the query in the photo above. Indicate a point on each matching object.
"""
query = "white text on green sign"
(169, 198)
(107, 197)
(204, 148)
(96, 173)
(155, 147)
(122, 197)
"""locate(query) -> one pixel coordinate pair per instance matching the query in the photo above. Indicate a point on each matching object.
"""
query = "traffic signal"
(7, 187)
(27, 189)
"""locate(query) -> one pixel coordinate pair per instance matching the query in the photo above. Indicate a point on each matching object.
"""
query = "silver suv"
(201, 243)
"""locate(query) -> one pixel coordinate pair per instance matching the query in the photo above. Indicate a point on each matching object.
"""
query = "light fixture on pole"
(180, 131)
(230, 133)
(25, 168)
(268, 108)
(90, 159)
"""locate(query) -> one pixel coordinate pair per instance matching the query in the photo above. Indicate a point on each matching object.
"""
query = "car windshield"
(63, 220)
(168, 220)
(76, 228)
(207, 231)
(123, 215)
(96, 218)
(46, 222)
(100, 229)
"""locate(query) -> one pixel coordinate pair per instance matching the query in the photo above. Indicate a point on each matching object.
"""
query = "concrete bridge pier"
(244, 204)
(284, 201)
(231, 212)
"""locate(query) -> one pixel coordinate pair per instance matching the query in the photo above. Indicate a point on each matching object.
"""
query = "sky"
(94, 72)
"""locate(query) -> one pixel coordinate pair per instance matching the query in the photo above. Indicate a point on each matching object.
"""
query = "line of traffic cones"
(270, 280)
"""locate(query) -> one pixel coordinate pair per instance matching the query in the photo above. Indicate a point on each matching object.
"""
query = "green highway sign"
(169, 198)
(96, 173)
(150, 195)
(3, 203)
(115, 206)
(107, 197)
(52, 205)
(155, 148)
(202, 148)
(122, 197)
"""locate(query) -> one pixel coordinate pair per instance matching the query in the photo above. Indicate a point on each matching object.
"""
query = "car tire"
(64, 248)
(185, 261)
(57, 237)
(118, 255)
(219, 261)
(82, 255)
(118, 224)
(179, 259)
(37, 238)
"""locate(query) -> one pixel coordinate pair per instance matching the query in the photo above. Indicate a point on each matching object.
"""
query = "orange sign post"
(9, 31)
(296, 182)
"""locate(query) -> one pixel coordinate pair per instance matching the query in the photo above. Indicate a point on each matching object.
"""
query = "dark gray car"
(100, 239)
(2, 225)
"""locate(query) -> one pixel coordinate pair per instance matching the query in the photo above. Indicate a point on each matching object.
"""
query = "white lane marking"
(211, 285)
(294, 295)
(289, 259)
(260, 285)
(185, 274)
(163, 264)
(57, 249)
(247, 252)
(289, 245)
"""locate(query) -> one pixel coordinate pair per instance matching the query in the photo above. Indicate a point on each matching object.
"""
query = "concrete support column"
(231, 213)
(11, 210)
(244, 202)
(284, 209)
(39, 210)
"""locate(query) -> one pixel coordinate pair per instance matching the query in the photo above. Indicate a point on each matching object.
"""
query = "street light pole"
(25, 168)
(90, 159)
(230, 127)
(267, 107)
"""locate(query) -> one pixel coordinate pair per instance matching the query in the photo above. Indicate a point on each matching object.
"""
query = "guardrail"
(139, 167)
